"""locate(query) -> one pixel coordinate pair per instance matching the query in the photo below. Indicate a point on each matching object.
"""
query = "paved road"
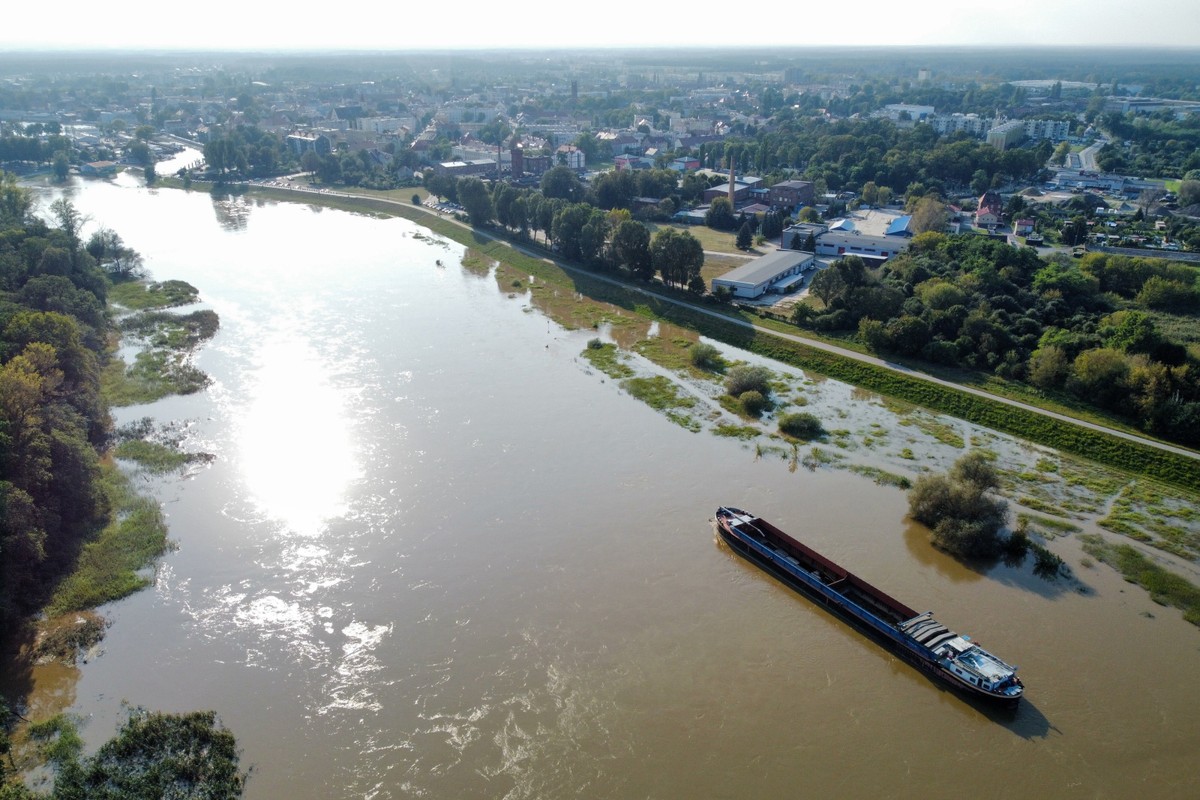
(814, 343)
(1087, 156)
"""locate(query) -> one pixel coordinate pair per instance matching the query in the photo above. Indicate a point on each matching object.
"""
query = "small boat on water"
(916, 637)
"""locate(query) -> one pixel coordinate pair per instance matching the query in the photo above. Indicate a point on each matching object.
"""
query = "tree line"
(604, 240)
(53, 330)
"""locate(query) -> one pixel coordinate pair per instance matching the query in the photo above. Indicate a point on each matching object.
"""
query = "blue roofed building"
(900, 226)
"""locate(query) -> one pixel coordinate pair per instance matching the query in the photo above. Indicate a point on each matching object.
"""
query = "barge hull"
(866, 606)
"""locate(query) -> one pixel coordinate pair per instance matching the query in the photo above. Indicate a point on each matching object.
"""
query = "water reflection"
(297, 454)
(232, 210)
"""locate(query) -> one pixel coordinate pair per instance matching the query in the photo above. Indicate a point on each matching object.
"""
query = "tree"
(1049, 367)
(631, 246)
(720, 215)
(928, 215)
(1061, 152)
(870, 193)
(1075, 231)
(561, 182)
(615, 189)
(677, 256)
(965, 520)
(475, 199)
(329, 169)
(62, 166)
(71, 221)
(310, 161)
(1099, 375)
(139, 153)
(568, 229)
(593, 238)
(827, 285)
(745, 237)
(495, 132)
(15, 201)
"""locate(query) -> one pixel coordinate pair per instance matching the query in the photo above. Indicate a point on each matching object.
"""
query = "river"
(438, 555)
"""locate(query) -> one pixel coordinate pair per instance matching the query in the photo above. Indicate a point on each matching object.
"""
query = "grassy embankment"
(108, 568)
(1127, 456)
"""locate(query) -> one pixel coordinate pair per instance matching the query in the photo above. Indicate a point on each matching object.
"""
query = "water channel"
(438, 555)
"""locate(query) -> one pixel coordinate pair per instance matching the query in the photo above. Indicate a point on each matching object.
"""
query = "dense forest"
(53, 328)
(1095, 329)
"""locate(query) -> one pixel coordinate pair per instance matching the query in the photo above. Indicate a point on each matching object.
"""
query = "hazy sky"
(412, 24)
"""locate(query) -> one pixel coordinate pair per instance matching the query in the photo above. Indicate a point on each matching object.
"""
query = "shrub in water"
(748, 379)
(753, 403)
(705, 356)
(801, 425)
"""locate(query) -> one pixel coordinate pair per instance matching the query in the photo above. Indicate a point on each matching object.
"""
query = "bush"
(416, 199)
(705, 356)
(801, 426)
(748, 379)
(753, 403)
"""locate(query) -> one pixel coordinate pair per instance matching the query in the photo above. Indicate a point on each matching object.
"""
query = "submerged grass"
(152, 456)
(743, 432)
(476, 262)
(606, 357)
(882, 477)
(154, 374)
(1047, 527)
(139, 295)
(1158, 515)
(162, 368)
(108, 566)
(1165, 587)
(658, 392)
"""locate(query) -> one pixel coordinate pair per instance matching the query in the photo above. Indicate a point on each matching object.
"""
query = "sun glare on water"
(296, 444)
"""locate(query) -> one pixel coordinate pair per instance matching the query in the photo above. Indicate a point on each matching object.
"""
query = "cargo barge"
(916, 637)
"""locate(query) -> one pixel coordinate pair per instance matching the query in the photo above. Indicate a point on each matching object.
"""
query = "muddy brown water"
(436, 555)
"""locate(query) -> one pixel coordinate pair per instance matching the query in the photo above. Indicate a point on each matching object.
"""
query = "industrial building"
(779, 272)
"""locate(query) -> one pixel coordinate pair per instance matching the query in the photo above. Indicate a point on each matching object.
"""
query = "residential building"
(96, 169)
(525, 164)
(1056, 130)
(1006, 134)
(300, 144)
(951, 123)
(905, 111)
(990, 211)
(633, 162)
(570, 155)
